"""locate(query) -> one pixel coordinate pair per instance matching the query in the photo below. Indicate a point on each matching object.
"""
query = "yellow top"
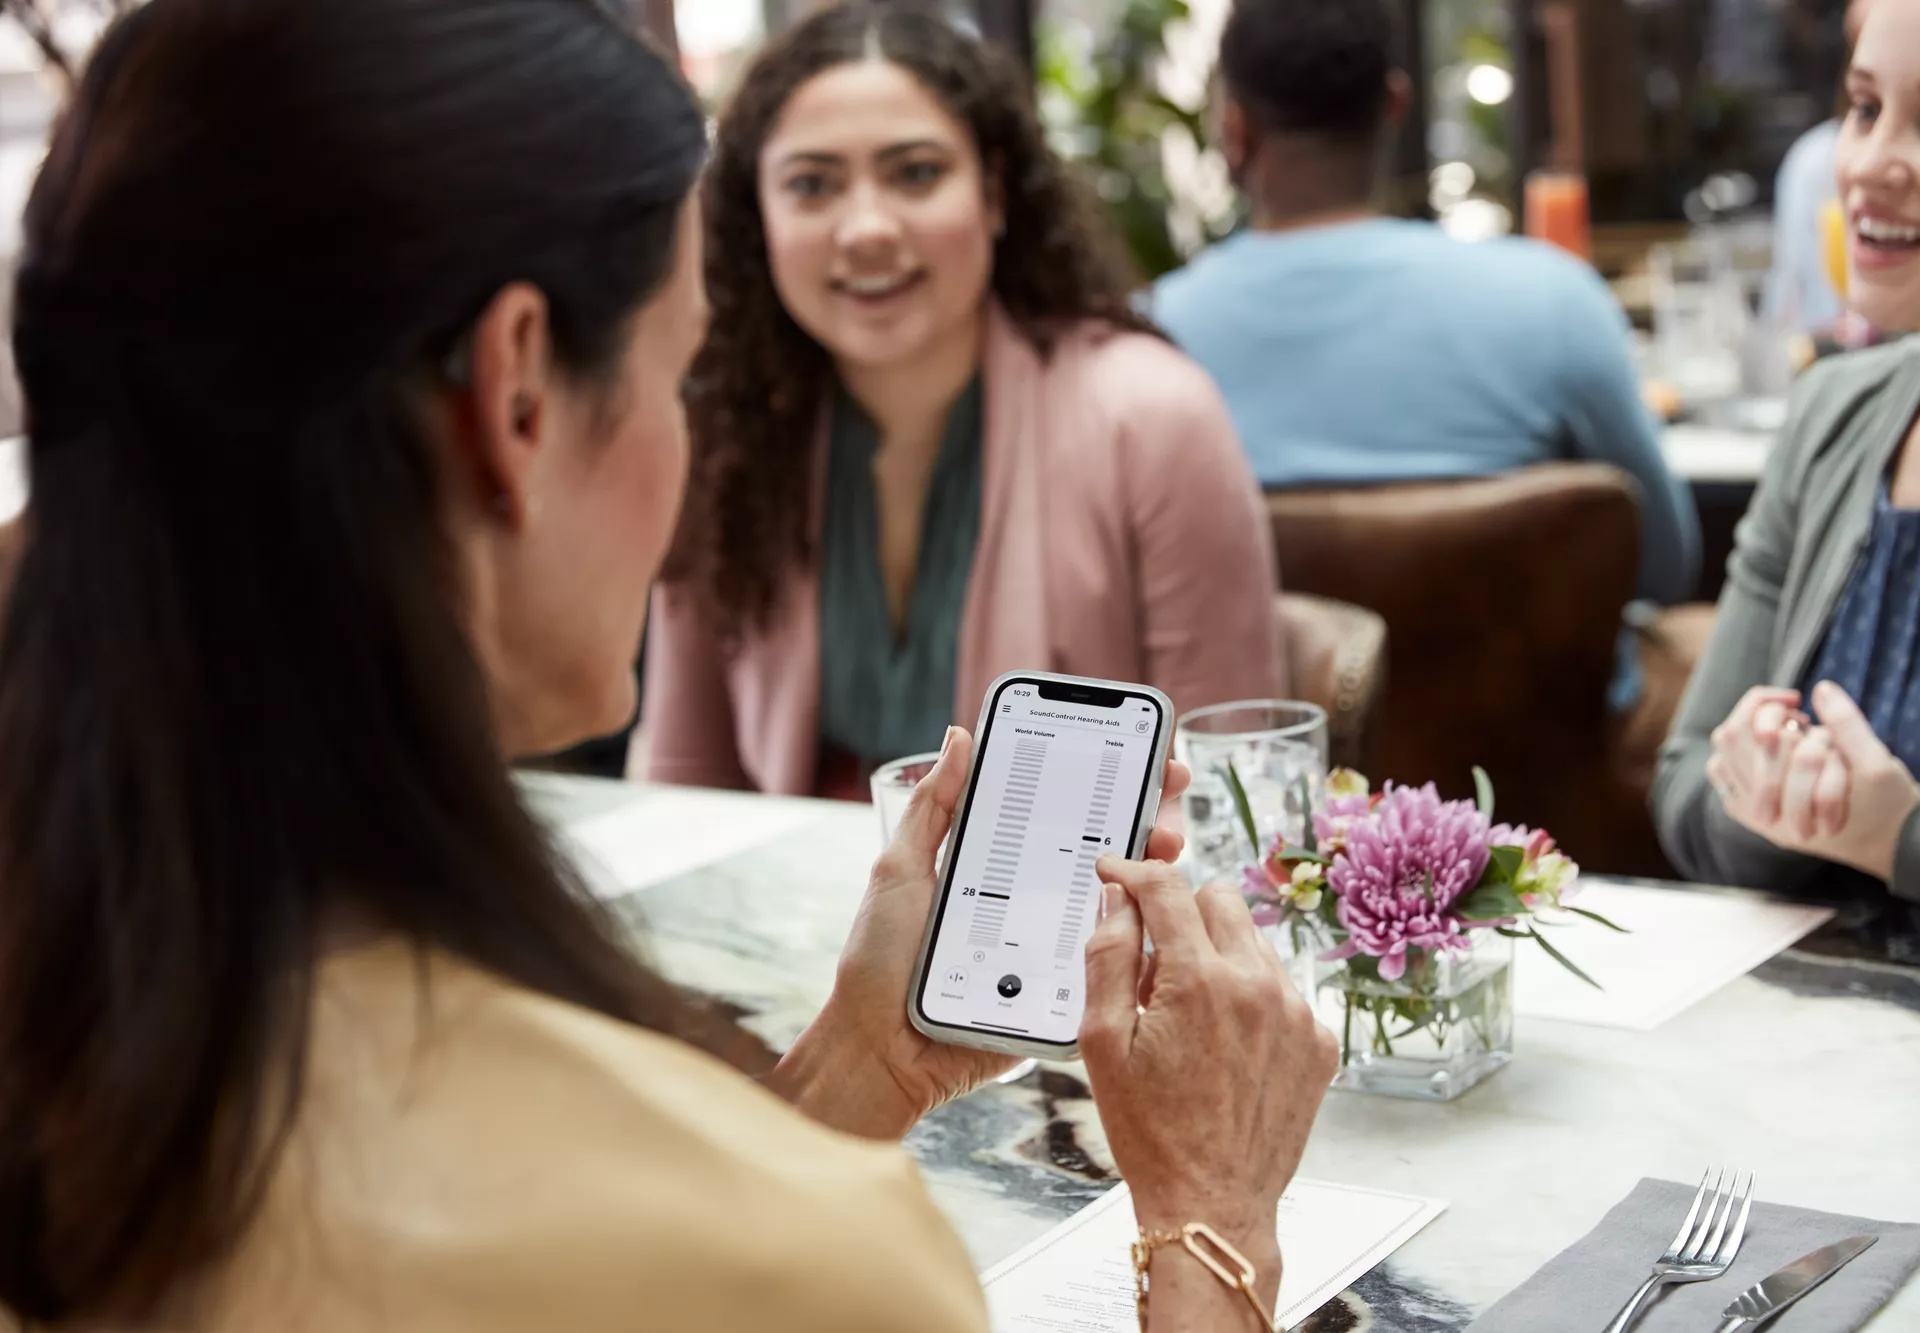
(477, 1158)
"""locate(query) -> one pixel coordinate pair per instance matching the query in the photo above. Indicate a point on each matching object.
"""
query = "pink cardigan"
(1122, 535)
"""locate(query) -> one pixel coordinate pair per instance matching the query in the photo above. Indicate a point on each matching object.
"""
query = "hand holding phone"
(861, 1067)
(1066, 770)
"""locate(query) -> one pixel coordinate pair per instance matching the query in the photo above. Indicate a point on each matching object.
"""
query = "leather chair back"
(1502, 598)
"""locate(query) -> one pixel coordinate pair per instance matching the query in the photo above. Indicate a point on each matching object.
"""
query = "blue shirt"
(1872, 648)
(1384, 350)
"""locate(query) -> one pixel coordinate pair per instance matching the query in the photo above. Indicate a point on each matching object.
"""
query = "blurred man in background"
(1355, 348)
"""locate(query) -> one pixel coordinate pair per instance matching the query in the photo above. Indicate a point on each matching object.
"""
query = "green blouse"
(883, 697)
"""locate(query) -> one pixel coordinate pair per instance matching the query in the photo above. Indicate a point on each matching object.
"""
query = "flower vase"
(1299, 941)
(1428, 1035)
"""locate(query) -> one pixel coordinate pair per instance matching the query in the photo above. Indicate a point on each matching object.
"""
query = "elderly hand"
(1834, 791)
(861, 1066)
(1207, 1090)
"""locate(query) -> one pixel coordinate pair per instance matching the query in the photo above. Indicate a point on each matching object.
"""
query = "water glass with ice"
(1278, 749)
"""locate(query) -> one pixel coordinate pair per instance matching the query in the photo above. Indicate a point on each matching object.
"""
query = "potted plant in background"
(1103, 98)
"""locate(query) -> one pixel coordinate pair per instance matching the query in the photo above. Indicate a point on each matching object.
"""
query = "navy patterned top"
(1872, 649)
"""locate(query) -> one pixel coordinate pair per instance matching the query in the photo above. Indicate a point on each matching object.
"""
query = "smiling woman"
(932, 440)
(1822, 610)
(880, 222)
(1878, 158)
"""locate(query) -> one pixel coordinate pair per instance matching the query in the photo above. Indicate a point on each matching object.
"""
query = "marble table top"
(1806, 1072)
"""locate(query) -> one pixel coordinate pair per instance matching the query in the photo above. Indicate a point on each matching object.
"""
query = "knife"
(1761, 1303)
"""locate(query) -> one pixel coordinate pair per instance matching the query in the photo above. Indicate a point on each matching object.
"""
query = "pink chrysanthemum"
(1403, 865)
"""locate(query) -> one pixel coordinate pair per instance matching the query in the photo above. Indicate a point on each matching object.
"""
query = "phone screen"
(1059, 782)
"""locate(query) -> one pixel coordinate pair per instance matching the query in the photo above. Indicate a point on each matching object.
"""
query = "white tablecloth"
(1714, 454)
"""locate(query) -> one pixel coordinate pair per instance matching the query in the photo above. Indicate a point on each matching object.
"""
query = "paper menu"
(1078, 1278)
(1685, 945)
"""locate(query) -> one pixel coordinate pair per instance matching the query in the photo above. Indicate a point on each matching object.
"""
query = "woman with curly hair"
(933, 442)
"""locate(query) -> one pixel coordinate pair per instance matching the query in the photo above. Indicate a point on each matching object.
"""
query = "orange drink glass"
(1557, 211)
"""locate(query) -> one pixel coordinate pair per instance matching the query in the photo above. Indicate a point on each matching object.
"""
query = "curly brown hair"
(760, 384)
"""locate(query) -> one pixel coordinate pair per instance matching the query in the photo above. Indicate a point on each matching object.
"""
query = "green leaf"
(1483, 790)
(1306, 814)
(1418, 1025)
(1505, 864)
(1565, 961)
(1513, 934)
(1594, 916)
(1243, 806)
(1292, 853)
(1490, 902)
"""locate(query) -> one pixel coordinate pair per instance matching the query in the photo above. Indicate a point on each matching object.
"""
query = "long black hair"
(235, 693)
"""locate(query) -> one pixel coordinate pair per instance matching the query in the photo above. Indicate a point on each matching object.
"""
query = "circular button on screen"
(1009, 985)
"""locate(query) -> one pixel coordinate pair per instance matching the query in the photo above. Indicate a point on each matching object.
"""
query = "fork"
(1700, 1251)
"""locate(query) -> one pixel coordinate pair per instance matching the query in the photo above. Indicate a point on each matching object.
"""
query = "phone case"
(1149, 812)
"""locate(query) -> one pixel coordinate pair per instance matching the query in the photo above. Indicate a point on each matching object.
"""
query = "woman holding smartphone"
(351, 334)
(932, 441)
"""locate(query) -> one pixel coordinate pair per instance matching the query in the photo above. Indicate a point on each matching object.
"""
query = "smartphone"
(1065, 770)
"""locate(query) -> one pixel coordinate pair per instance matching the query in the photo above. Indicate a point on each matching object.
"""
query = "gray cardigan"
(1810, 519)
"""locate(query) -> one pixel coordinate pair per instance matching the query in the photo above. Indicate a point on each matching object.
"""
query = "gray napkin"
(1585, 1285)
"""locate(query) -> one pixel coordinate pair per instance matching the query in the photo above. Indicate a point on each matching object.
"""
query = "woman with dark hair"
(351, 333)
(1791, 765)
(932, 441)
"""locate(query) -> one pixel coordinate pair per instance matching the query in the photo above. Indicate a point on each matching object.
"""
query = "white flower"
(1346, 782)
(1546, 881)
(1309, 880)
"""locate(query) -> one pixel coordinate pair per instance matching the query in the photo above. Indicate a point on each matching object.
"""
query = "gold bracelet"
(1221, 1259)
